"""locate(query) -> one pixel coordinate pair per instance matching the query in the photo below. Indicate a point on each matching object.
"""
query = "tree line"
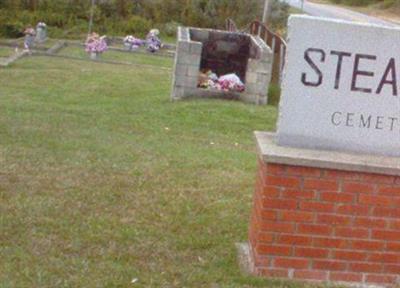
(124, 16)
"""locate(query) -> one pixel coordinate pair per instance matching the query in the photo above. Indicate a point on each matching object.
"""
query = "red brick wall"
(329, 225)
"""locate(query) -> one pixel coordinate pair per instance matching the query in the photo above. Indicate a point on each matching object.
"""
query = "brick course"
(326, 225)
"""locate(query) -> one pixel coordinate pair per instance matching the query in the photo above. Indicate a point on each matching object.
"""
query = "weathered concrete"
(8, 61)
(57, 47)
(366, 163)
(254, 66)
(340, 87)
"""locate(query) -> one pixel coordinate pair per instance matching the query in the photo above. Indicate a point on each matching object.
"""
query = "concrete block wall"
(186, 65)
(326, 225)
(187, 68)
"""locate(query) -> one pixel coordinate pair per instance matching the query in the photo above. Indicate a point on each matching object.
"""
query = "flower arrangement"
(153, 43)
(96, 44)
(226, 83)
(30, 34)
(231, 85)
(133, 43)
(41, 25)
(29, 31)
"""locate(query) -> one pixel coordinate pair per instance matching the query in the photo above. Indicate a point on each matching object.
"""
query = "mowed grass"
(20, 42)
(6, 52)
(133, 58)
(103, 179)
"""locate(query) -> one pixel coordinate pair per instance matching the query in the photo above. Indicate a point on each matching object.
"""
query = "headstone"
(41, 32)
(94, 56)
(341, 87)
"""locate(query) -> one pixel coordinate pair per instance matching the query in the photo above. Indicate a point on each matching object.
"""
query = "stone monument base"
(325, 216)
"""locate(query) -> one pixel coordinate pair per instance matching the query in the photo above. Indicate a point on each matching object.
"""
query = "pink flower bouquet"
(96, 44)
(132, 43)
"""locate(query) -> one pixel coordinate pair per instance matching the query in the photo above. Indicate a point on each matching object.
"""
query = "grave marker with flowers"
(132, 43)
(41, 32)
(96, 45)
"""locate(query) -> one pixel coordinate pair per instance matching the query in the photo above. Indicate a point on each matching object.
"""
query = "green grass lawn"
(6, 52)
(20, 44)
(134, 58)
(103, 179)
(47, 44)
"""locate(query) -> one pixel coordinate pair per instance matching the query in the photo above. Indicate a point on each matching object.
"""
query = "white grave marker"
(341, 88)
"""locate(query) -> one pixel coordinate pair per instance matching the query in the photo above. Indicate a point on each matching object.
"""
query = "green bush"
(52, 19)
(170, 28)
(57, 33)
(25, 17)
(358, 2)
(390, 3)
(136, 25)
(279, 14)
(12, 29)
(77, 30)
(121, 17)
(385, 3)
(274, 94)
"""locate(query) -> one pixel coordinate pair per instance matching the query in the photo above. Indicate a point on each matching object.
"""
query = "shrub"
(137, 25)
(77, 28)
(170, 28)
(12, 29)
(55, 32)
(389, 3)
(362, 2)
(52, 19)
(279, 14)
(358, 2)
(274, 94)
(25, 17)
(130, 17)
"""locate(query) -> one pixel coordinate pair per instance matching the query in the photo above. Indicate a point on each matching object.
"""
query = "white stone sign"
(341, 88)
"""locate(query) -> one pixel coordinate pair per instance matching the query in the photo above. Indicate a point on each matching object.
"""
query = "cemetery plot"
(223, 61)
(221, 64)
(19, 43)
(168, 51)
(116, 52)
(12, 42)
(6, 52)
(47, 44)
(36, 42)
(117, 56)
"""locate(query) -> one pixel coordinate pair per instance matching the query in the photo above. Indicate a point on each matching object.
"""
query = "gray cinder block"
(189, 57)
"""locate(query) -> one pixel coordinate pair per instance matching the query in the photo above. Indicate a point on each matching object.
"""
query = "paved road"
(331, 11)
